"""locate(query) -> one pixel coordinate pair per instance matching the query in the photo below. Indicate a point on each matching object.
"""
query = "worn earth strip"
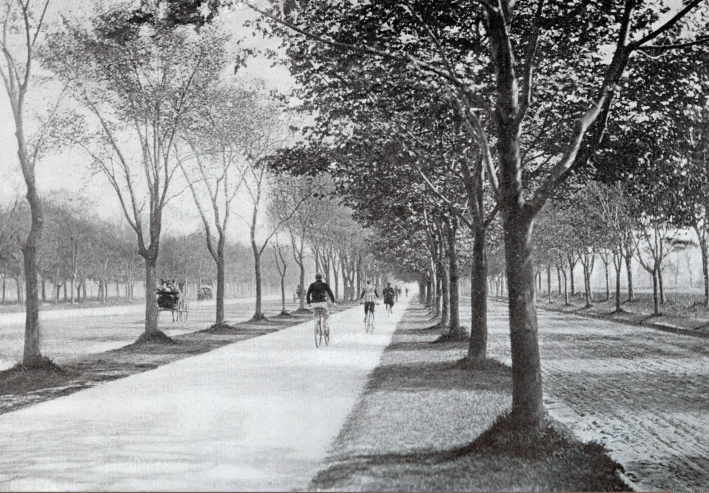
(642, 393)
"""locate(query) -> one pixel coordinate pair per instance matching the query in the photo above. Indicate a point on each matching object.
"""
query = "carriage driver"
(317, 296)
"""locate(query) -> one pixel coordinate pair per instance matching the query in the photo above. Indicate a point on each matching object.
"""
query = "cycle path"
(259, 414)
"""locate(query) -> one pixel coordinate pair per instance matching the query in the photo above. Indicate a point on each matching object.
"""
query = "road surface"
(66, 334)
(641, 392)
(259, 414)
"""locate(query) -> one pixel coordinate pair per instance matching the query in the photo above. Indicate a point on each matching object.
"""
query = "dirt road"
(67, 334)
(641, 392)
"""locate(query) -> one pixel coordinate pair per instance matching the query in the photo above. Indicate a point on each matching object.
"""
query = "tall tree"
(136, 84)
(22, 26)
(446, 42)
(219, 131)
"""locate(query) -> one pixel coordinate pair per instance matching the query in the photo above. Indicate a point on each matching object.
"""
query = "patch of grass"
(426, 422)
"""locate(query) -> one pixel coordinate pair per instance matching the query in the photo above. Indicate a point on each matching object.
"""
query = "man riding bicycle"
(317, 296)
(369, 293)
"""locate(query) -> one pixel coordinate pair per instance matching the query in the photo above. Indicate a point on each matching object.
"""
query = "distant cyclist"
(317, 296)
(368, 294)
(389, 295)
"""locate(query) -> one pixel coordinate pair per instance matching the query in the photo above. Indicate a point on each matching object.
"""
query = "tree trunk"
(151, 306)
(558, 279)
(629, 271)
(661, 285)
(258, 312)
(44, 289)
(618, 268)
(301, 281)
(587, 285)
(705, 270)
(548, 283)
(445, 295)
(572, 265)
(32, 354)
(477, 349)
(453, 277)
(221, 279)
(527, 404)
(655, 293)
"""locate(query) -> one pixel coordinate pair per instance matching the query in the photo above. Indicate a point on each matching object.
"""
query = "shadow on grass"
(503, 458)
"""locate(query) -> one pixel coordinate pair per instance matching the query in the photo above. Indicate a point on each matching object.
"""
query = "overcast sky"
(59, 174)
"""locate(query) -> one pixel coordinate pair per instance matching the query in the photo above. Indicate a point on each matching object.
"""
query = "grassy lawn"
(428, 422)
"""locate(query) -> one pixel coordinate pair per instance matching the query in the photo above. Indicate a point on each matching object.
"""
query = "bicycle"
(369, 323)
(322, 331)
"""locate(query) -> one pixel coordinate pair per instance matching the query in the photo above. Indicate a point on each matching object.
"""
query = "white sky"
(68, 173)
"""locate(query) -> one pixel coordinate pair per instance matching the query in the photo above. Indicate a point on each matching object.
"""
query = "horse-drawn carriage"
(169, 298)
(204, 293)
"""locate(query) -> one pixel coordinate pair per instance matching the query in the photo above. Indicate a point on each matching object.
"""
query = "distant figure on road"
(389, 295)
(407, 292)
(317, 296)
(369, 293)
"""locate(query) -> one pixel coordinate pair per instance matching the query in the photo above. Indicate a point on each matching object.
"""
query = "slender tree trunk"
(151, 306)
(705, 270)
(661, 285)
(44, 288)
(221, 279)
(4, 286)
(548, 283)
(629, 271)
(655, 293)
(558, 279)
(618, 267)
(477, 349)
(32, 354)
(587, 284)
(566, 289)
(453, 277)
(608, 281)
(445, 295)
(572, 266)
(301, 281)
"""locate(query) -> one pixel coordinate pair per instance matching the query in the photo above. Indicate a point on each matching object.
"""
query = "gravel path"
(641, 392)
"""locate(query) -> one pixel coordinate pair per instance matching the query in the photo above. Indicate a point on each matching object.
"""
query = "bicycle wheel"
(318, 333)
(369, 327)
(327, 335)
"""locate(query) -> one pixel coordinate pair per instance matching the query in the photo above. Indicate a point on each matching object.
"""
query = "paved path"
(256, 415)
(641, 392)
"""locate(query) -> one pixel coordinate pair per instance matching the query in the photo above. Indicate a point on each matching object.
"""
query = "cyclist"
(389, 295)
(369, 293)
(317, 296)
(407, 292)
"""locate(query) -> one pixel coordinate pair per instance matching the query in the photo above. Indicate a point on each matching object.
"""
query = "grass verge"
(429, 422)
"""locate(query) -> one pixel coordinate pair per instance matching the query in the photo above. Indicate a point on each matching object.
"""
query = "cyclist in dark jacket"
(317, 295)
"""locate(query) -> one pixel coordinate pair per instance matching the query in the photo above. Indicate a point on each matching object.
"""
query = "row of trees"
(449, 127)
(83, 256)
